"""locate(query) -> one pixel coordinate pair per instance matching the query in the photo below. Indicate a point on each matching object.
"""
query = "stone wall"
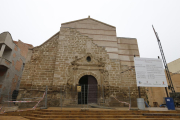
(39, 71)
(74, 46)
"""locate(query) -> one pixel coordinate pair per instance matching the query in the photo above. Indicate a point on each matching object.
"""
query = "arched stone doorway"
(89, 89)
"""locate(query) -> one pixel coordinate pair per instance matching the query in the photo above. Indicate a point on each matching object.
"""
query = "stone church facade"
(83, 50)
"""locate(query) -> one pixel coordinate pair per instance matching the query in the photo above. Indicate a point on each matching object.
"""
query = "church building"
(84, 53)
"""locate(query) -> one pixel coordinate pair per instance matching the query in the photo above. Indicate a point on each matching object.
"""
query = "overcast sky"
(34, 21)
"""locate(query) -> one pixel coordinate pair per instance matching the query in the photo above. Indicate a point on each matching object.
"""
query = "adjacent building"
(174, 66)
(13, 56)
(156, 95)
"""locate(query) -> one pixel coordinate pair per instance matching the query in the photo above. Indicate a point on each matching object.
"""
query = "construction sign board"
(149, 72)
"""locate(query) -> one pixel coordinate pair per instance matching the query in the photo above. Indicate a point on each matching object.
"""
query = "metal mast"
(164, 61)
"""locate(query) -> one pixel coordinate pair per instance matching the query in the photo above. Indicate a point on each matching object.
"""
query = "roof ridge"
(88, 18)
(174, 60)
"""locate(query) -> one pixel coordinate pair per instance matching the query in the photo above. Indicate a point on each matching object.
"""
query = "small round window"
(88, 59)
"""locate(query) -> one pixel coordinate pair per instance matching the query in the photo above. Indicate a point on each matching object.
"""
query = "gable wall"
(103, 35)
(73, 44)
(39, 70)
